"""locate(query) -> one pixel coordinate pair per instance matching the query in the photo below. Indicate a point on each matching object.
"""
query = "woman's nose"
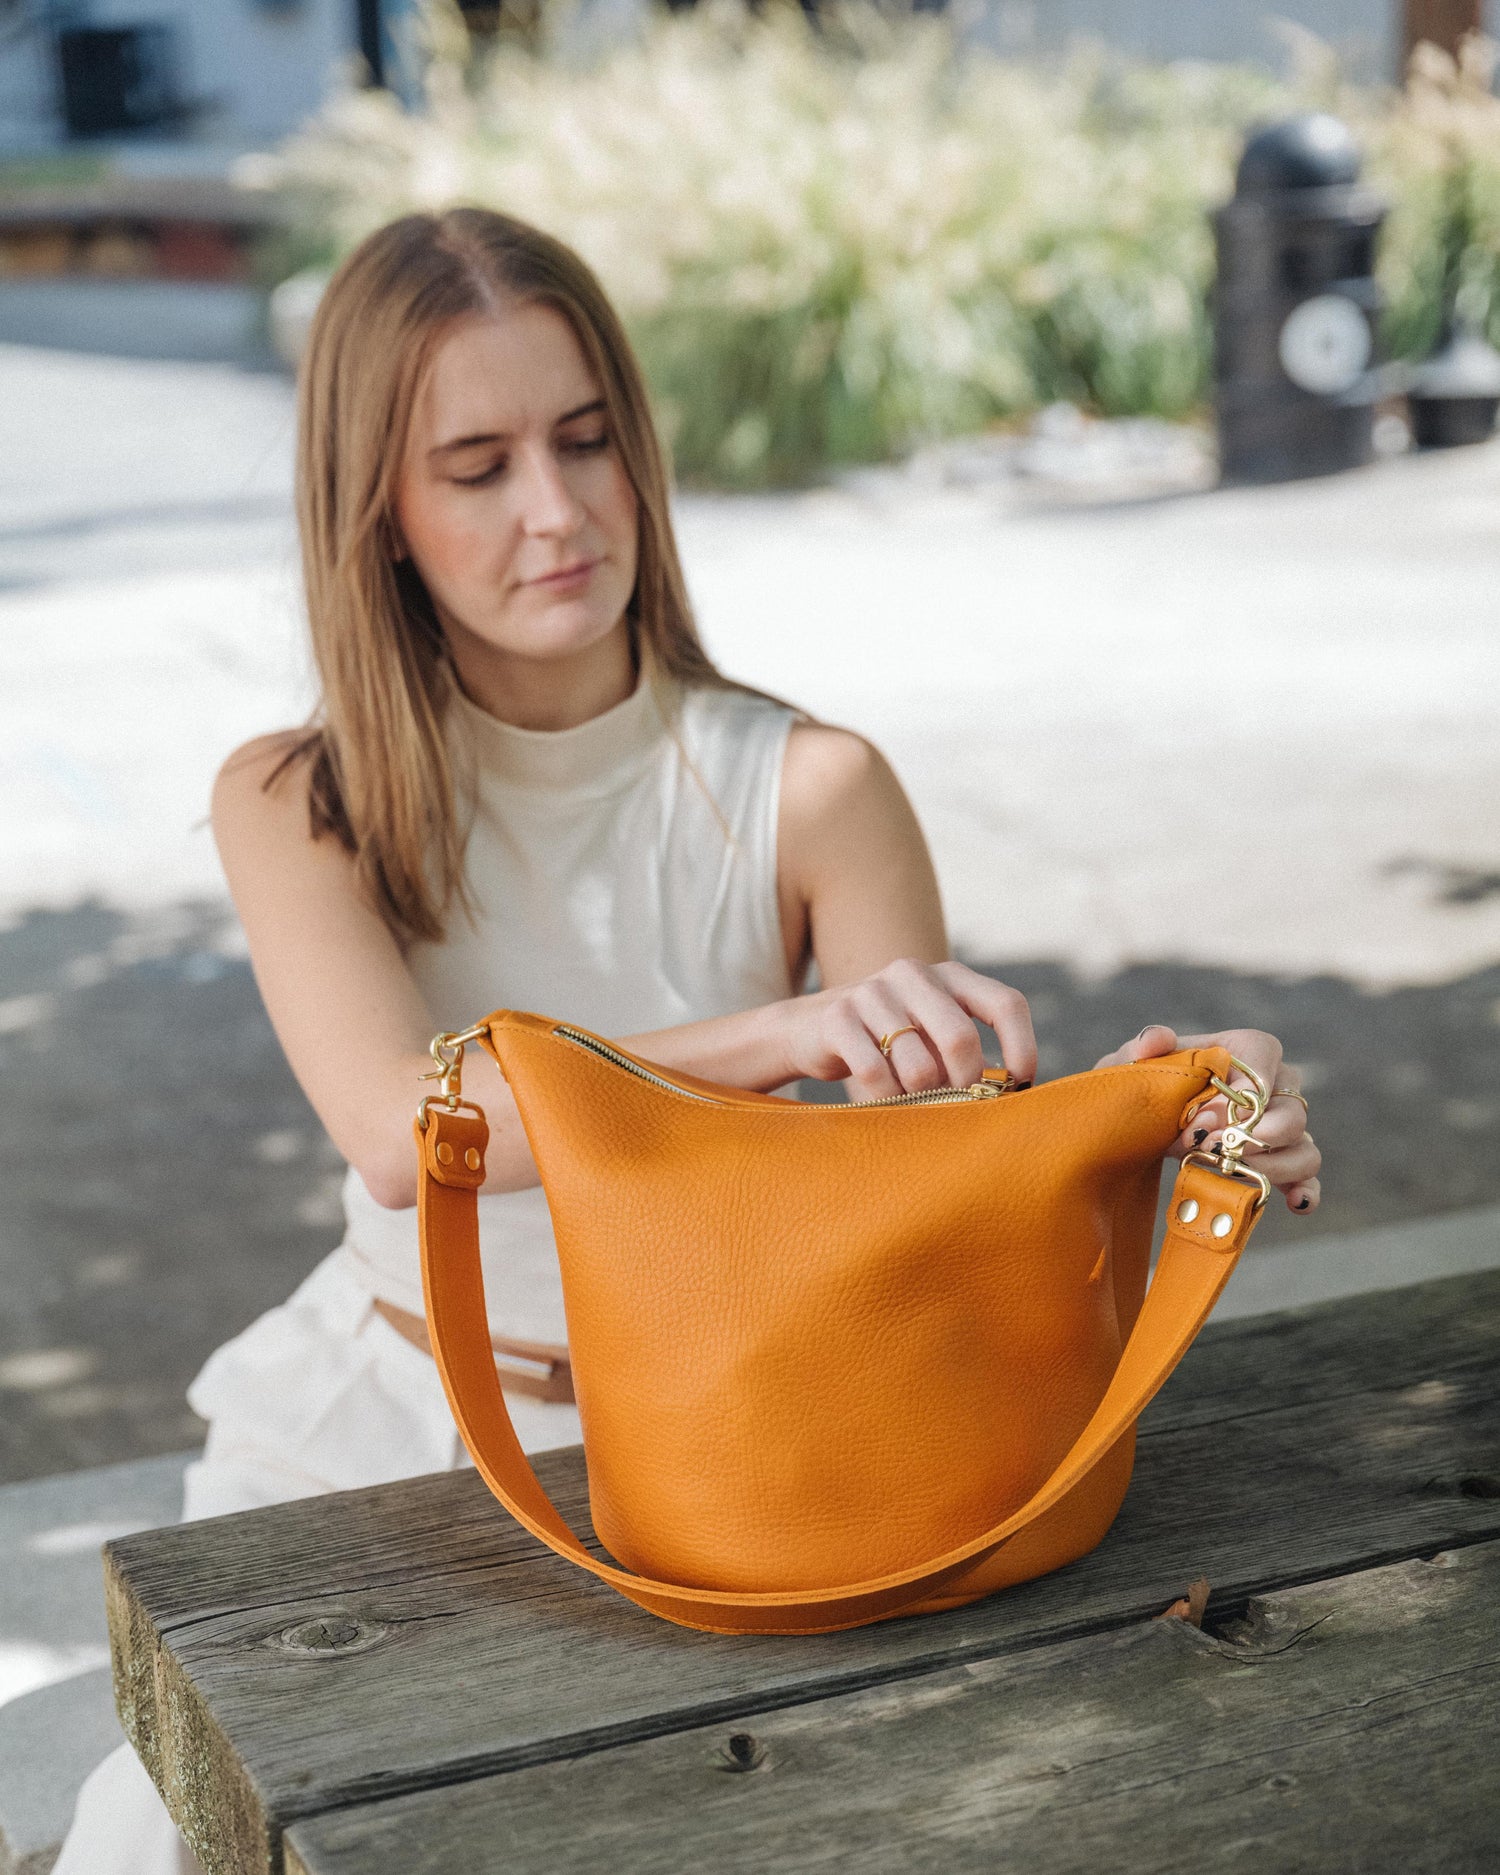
(550, 506)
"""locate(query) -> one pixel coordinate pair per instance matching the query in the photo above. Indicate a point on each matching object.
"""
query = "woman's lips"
(566, 576)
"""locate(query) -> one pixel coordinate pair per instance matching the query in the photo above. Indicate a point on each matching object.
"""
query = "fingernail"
(1200, 1136)
(1149, 1025)
(1303, 1203)
(1020, 1087)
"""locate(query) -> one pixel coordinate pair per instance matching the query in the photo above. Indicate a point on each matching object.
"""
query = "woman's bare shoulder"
(263, 785)
(828, 770)
(854, 870)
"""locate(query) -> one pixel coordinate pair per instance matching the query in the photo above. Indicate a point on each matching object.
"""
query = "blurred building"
(120, 121)
(240, 73)
(235, 73)
(1372, 37)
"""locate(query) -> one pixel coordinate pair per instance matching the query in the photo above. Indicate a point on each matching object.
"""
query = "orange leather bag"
(835, 1363)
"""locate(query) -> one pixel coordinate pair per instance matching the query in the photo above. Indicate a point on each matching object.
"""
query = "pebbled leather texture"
(834, 1363)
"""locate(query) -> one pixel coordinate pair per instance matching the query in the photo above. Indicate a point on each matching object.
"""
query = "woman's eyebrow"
(589, 409)
(584, 410)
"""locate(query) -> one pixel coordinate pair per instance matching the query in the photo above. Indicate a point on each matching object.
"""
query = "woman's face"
(512, 500)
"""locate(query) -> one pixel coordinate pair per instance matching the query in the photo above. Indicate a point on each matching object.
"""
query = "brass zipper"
(606, 1053)
(934, 1097)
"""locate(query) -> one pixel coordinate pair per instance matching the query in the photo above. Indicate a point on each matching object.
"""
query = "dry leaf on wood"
(1189, 1607)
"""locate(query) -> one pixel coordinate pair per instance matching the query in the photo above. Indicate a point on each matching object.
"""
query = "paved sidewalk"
(1221, 759)
(56, 1702)
(1253, 728)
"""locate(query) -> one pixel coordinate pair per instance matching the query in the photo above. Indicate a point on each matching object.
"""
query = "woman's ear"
(395, 541)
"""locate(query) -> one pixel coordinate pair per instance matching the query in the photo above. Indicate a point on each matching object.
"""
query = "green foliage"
(60, 169)
(835, 241)
(1439, 155)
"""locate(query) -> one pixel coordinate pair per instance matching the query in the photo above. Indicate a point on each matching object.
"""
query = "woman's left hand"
(1290, 1160)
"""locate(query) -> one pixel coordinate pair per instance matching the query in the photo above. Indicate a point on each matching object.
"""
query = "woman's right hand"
(835, 1034)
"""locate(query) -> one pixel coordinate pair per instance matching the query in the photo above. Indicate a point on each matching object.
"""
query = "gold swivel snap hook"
(1247, 1106)
(447, 1050)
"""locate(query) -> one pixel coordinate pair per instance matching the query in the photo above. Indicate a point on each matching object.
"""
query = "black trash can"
(116, 79)
(1295, 306)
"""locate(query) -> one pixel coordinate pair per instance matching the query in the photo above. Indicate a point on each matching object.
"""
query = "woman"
(529, 786)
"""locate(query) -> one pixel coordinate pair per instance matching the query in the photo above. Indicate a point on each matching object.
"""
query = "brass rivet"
(1222, 1225)
(1187, 1210)
(445, 1154)
(471, 1158)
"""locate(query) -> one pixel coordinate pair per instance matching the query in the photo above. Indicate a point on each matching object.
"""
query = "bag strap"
(1194, 1265)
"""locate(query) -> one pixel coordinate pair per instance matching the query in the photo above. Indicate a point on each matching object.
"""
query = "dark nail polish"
(1020, 1087)
(1200, 1136)
(1303, 1203)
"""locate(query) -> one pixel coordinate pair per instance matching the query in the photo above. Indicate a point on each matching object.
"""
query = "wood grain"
(1286, 1449)
(1344, 1726)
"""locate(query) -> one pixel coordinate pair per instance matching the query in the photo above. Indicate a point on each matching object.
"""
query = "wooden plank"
(1349, 1725)
(1396, 1338)
(475, 1651)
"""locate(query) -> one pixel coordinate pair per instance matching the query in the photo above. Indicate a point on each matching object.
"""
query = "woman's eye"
(484, 476)
(587, 445)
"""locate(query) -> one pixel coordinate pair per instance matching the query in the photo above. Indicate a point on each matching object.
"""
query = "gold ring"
(1290, 1093)
(885, 1042)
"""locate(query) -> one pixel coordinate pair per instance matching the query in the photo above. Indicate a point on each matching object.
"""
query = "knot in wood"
(1472, 1484)
(744, 1752)
(330, 1634)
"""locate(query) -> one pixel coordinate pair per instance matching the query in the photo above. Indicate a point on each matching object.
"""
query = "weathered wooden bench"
(401, 1680)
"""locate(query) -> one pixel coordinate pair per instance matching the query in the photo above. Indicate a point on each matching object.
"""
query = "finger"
(865, 1067)
(1281, 1125)
(1284, 1123)
(1202, 1130)
(1279, 1133)
(947, 1028)
(884, 1012)
(913, 1062)
(1292, 1166)
(1304, 1197)
(1155, 1039)
(1005, 1010)
(1254, 1047)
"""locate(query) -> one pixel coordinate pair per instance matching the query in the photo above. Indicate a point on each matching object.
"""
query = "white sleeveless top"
(623, 876)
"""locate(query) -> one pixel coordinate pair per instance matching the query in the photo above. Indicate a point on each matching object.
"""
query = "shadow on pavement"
(163, 1181)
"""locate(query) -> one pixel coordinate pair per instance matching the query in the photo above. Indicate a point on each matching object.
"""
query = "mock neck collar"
(592, 755)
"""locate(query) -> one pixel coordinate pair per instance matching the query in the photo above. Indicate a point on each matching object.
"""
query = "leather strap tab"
(452, 1146)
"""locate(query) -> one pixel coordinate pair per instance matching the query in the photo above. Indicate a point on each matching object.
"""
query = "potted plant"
(1448, 134)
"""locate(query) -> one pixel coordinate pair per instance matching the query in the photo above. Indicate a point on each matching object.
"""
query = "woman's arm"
(858, 896)
(345, 1007)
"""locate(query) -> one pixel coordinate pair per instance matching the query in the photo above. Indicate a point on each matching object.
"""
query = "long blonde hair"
(380, 778)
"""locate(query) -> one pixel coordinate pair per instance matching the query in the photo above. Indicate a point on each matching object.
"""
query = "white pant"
(320, 1394)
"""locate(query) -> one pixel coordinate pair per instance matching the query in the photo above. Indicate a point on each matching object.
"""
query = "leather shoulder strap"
(1192, 1270)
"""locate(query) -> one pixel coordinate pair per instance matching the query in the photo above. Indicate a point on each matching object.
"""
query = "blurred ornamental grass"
(1438, 154)
(836, 240)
